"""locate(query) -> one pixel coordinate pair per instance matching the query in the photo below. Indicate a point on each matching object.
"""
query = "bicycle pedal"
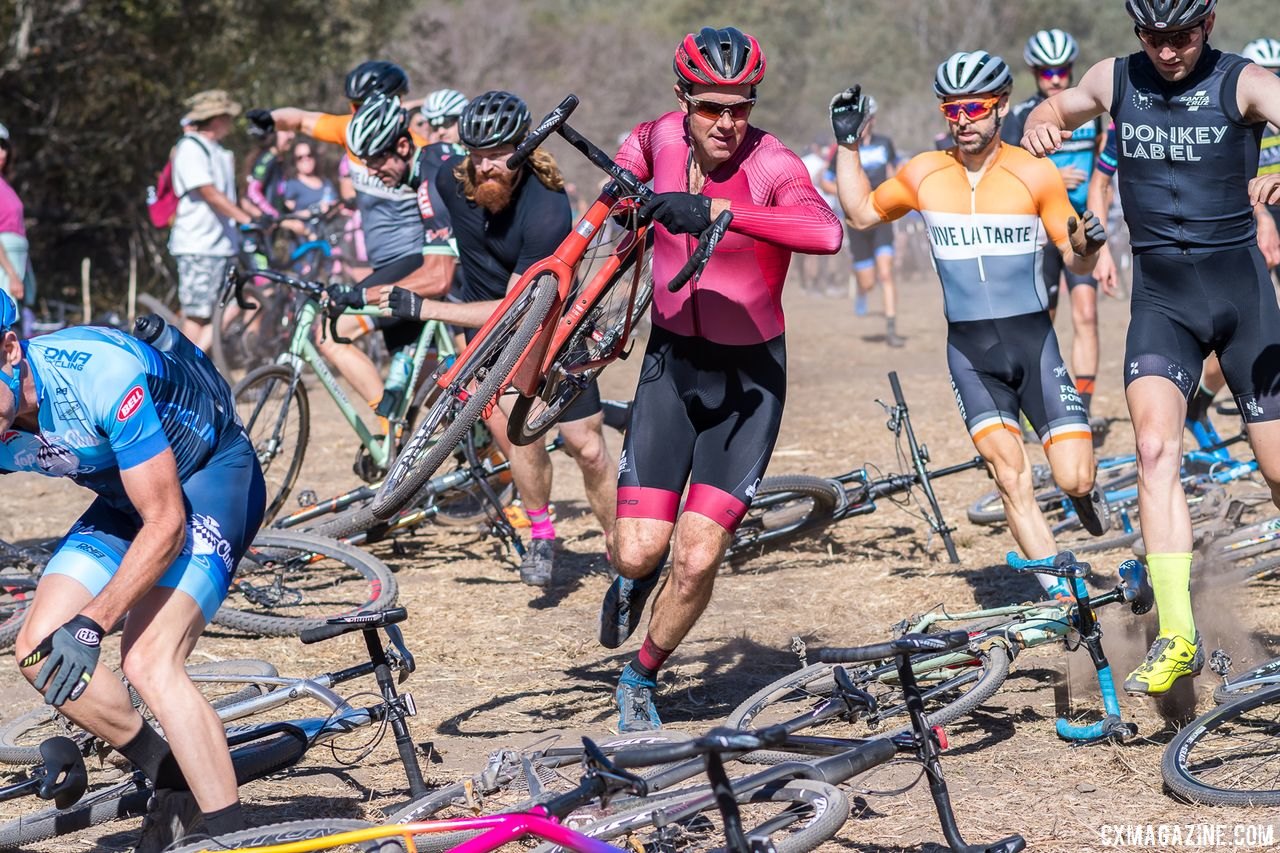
(308, 497)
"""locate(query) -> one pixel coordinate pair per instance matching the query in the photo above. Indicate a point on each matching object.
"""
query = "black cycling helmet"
(375, 76)
(724, 57)
(376, 126)
(1169, 14)
(492, 119)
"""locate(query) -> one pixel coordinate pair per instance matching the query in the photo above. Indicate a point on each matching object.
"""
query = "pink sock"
(542, 527)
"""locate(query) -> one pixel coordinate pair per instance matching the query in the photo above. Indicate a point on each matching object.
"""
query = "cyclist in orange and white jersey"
(989, 208)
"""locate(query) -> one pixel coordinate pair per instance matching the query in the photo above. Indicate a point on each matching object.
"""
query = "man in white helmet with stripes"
(1050, 54)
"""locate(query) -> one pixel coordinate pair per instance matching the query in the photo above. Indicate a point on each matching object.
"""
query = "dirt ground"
(499, 661)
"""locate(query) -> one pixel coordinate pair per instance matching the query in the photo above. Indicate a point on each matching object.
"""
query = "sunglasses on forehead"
(1157, 40)
(738, 110)
(976, 110)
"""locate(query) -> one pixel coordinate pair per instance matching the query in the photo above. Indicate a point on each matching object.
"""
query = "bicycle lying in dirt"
(956, 682)
(1230, 755)
(789, 808)
(262, 749)
(789, 506)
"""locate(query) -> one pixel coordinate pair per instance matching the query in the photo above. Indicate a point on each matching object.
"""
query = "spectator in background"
(817, 272)
(14, 266)
(263, 190)
(204, 239)
(306, 189)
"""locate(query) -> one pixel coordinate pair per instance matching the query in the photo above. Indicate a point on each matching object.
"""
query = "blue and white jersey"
(108, 401)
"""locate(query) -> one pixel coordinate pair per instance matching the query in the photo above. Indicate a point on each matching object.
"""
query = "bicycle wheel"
(598, 333)
(272, 404)
(1230, 756)
(293, 832)
(126, 799)
(949, 693)
(488, 365)
(21, 735)
(148, 304)
(782, 508)
(16, 595)
(248, 338)
(796, 814)
(465, 505)
(1249, 681)
(288, 582)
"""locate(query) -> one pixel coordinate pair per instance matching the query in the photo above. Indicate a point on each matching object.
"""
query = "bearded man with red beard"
(503, 222)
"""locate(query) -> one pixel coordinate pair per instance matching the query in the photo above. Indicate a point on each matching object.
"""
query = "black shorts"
(705, 414)
(999, 367)
(397, 333)
(584, 405)
(866, 245)
(1186, 306)
(1054, 268)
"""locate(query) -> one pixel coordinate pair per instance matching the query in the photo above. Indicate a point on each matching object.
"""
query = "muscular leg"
(1008, 464)
(584, 441)
(1158, 410)
(699, 547)
(637, 544)
(1264, 438)
(104, 708)
(1084, 342)
(159, 634)
(884, 269)
(1073, 465)
(530, 463)
(350, 361)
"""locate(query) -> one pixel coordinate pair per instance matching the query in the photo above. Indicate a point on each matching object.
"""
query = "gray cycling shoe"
(1093, 511)
(171, 816)
(538, 562)
(636, 711)
(624, 604)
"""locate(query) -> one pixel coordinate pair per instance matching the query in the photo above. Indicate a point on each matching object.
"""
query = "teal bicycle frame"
(302, 350)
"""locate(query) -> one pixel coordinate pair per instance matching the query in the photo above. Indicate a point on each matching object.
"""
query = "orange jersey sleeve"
(333, 129)
(900, 195)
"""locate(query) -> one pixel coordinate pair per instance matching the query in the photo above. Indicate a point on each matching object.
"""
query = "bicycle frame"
(532, 365)
(302, 350)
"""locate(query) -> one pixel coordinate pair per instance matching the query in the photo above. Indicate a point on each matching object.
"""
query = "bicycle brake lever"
(333, 331)
(399, 653)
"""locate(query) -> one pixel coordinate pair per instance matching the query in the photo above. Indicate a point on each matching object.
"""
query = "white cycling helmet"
(1051, 49)
(376, 126)
(1265, 52)
(972, 73)
(442, 105)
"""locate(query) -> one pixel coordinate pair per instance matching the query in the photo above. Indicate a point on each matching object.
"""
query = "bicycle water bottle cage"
(856, 700)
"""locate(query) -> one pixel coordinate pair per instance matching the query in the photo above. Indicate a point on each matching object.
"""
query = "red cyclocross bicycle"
(595, 284)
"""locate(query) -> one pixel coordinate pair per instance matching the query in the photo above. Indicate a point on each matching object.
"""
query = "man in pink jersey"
(712, 386)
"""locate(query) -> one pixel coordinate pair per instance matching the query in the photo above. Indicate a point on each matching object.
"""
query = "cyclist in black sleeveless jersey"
(1189, 120)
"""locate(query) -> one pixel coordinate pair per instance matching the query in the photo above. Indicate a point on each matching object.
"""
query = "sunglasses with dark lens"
(976, 110)
(712, 110)
(442, 123)
(1158, 40)
(1062, 71)
(304, 157)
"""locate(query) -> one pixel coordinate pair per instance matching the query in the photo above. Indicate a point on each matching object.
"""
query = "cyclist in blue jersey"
(1050, 55)
(1189, 123)
(180, 496)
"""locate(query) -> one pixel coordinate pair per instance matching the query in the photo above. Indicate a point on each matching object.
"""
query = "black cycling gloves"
(260, 123)
(849, 114)
(679, 213)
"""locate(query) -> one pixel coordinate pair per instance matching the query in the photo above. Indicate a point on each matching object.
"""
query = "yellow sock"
(1171, 582)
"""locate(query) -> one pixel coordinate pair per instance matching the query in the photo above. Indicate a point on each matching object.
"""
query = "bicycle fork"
(1110, 726)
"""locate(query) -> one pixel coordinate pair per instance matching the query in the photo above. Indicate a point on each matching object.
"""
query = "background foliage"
(92, 89)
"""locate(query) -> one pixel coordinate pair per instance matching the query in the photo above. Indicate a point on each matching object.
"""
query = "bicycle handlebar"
(550, 124)
(720, 741)
(702, 253)
(905, 646)
(314, 289)
(1061, 565)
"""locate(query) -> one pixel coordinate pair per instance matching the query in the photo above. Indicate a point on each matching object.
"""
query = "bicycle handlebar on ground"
(903, 647)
